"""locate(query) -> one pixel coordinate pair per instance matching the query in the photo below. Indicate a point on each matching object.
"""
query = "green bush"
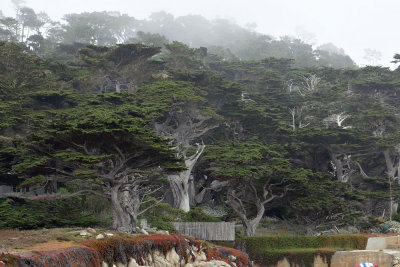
(298, 250)
(24, 214)
(396, 217)
(161, 223)
(196, 214)
(291, 242)
(162, 216)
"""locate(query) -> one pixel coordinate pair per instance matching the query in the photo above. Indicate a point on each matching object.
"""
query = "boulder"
(396, 262)
(142, 231)
(100, 236)
(85, 233)
(162, 232)
(91, 230)
(232, 258)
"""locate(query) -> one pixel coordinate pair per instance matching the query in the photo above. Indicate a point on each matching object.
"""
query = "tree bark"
(179, 182)
(184, 124)
(179, 187)
(253, 223)
(338, 165)
(260, 200)
(250, 225)
(343, 169)
(392, 166)
(121, 220)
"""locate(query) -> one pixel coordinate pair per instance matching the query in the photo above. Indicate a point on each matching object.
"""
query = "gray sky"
(353, 25)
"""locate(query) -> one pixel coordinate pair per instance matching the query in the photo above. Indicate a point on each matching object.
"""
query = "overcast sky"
(353, 25)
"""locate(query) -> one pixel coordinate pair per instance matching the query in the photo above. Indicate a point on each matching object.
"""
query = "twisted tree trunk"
(121, 220)
(250, 225)
(236, 201)
(180, 182)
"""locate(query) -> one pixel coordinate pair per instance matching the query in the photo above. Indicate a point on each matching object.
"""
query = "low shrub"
(292, 242)
(196, 214)
(24, 214)
(161, 223)
(298, 250)
(162, 216)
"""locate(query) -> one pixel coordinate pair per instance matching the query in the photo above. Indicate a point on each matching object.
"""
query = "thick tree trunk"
(251, 225)
(192, 191)
(339, 166)
(392, 166)
(121, 219)
(235, 201)
(131, 204)
(341, 162)
(179, 182)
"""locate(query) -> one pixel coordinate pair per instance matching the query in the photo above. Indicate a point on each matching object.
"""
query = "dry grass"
(20, 240)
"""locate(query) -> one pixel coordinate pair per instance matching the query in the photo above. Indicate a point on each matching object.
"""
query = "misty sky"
(353, 25)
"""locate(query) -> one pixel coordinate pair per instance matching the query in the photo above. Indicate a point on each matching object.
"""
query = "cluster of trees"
(190, 128)
(194, 126)
(222, 37)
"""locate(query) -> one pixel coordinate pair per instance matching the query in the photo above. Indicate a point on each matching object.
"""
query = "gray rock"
(232, 258)
(100, 236)
(91, 230)
(85, 233)
(143, 232)
(162, 232)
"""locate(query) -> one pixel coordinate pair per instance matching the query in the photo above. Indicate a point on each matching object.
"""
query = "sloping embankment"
(152, 250)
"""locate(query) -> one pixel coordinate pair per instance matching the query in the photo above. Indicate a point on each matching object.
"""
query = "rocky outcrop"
(149, 250)
(396, 262)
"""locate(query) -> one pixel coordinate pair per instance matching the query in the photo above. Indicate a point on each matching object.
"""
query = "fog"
(352, 25)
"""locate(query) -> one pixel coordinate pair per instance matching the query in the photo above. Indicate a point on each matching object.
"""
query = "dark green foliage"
(161, 223)
(32, 214)
(396, 217)
(197, 215)
(32, 182)
(156, 98)
(242, 160)
(62, 118)
(117, 56)
(163, 214)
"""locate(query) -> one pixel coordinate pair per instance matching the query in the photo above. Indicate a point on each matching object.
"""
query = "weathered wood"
(213, 231)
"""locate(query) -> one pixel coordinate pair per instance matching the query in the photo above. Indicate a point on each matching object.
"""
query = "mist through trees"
(222, 37)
